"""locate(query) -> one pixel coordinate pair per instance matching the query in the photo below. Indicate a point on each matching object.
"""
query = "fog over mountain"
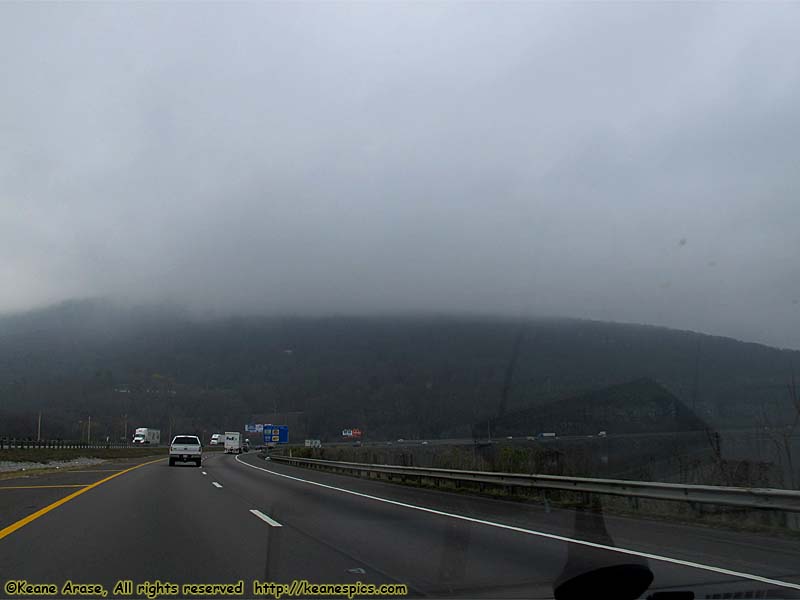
(395, 376)
(625, 162)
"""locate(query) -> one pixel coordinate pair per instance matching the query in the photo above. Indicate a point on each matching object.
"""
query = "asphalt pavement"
(244, 518)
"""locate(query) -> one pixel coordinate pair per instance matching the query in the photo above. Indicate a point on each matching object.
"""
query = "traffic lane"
(435, 555)
(748, 552)
(645, 535)
(565, 523)
(170, 524)
(293, 554)
(460, 557)
(27, 493)
(157, 522)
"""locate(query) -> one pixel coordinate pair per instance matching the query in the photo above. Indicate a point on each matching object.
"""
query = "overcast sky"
(632, 162)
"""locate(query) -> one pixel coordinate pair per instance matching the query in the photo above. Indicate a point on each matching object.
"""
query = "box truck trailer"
(145, 435)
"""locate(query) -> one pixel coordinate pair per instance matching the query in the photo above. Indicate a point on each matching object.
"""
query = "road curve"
(243, 518)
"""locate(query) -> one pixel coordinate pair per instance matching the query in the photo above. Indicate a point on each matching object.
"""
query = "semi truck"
(145, 435)
(233, 442)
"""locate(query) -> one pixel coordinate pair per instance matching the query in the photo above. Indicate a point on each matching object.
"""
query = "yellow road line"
(41, 512)
(38, 487)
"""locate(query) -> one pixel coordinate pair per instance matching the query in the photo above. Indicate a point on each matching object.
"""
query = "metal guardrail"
(761, 498)
(28, 444)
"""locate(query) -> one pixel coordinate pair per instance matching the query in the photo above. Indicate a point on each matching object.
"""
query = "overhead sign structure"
(351, 433)
(276, 434)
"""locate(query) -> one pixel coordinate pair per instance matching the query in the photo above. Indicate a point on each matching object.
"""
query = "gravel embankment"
(8, 465)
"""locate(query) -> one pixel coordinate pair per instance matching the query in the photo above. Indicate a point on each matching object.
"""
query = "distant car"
(602, 434)
(424, 443)
(400, 440)
(185, 448)
(511, 437)
(530, 437)
(216, 439)
(246, 445)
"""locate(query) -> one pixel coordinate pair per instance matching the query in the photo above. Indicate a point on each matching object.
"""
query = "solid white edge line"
(552, 536)
(214, 483)
(264, 517)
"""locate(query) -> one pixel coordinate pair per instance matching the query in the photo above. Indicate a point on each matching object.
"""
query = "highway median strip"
(38, 487)
(43, 511)
(98, 471)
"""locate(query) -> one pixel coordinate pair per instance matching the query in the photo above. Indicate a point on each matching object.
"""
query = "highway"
(534, 439)
(244, 518)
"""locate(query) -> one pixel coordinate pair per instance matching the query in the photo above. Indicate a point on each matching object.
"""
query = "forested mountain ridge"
(394, 376)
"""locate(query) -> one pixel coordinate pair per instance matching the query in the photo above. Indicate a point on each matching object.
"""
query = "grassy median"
(47, 455)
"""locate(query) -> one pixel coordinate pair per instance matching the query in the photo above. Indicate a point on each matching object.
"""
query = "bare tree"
(782, 436)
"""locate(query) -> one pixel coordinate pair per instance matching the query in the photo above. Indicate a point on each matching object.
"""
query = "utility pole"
(125, 426)
(696, 378)
(39, 428)
(89, 430)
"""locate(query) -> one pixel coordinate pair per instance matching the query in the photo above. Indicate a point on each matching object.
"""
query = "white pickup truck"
(185, 448)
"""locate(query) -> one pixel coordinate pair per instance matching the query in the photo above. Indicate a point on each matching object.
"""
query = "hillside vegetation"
(392, 376)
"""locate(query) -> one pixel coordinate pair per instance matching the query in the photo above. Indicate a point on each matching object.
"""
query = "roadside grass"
(46, 455)
(46, 458)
